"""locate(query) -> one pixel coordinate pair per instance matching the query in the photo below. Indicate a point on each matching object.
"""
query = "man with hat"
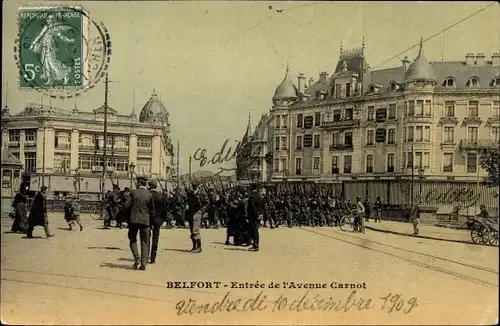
(113, 202)
(141, 213)
(255, 206)
(158, 219)
(193, 216)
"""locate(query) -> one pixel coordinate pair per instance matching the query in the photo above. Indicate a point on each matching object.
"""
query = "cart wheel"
(480, 234)
(493, 238)
(346, 223)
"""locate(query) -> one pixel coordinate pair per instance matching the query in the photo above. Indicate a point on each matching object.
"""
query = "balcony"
(30, 143)
(472, 120)
(14, 143)
(493, 120)
(419, 118)
(63, 146)
(477, 144)
(143, 150)
(449, 144)
(340, 147)
(448, 120)
(341, 124)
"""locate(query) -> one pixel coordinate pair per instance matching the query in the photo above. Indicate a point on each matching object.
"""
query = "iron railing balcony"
(338, 147)
(478, 144)
(346, 123)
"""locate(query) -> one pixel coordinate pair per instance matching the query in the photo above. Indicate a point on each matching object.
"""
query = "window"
(335, 164)
(428, 107)
(80, 138)
(13, 135)
(347, 163)
(316, 141)
(427, 134)
(391, 138)
(410, 134)
(298, 166)
(393, 86)
(62, 139)
(317, 119)
(144, 142)
(276, 165)
(30, 135)
(473, 108)
(299, 142)
(284, 121)
(419, 163)
(278, 121)
(277, 144)
(300, 120)
(427, 159)
(121, 164)
(390, 162)
(473, 82)
(348, 89)
(495, 81)
(449, 108)
(143, 167)
(369, 137)
(85, 162)
(283, 165)
(392, 111)
(419, 136)
(369, 163)
(494, 133)
(316, 163)
(471, 162)
(371, 113)
(419, 110)
(372, 89)
(411, 108)
(449, 82)
(349, 114)
(472, 133)
(348, 139)
(337, 115)
(447, 162)
(449, 135)
(284, 143)
(496, 109)
(30, 162)
(110, 141)
(62, 163)
(409, 159)
(336, 139)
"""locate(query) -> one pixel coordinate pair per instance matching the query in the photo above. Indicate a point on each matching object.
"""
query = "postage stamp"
(60, 50)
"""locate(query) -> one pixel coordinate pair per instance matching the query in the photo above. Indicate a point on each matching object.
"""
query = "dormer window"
(372, 89)
(449, 82)
(473, 82)
(393, 86)
(495, 82)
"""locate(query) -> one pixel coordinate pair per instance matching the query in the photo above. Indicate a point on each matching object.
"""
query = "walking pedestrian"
(415, 216)
(72, 211)
(378, 210)
(194, 216)
(19, 205)
(141, 212)
(38, 214)
(160, 215)
(360, 209)
(255, 207)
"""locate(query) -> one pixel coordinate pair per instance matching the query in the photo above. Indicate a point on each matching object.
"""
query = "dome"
(420, 68)
(153, 110)
(285, 90)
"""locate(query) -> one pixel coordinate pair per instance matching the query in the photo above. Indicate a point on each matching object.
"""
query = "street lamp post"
(421, 176)
(131, 168)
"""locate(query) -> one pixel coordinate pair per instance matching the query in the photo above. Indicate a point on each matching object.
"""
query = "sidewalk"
(426, 231)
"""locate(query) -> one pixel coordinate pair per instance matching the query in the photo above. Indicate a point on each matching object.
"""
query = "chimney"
(311, 80)
(480, 61)
(323, 76)
(469, 59)
(405, 62)
(495, 59)
(301, 84)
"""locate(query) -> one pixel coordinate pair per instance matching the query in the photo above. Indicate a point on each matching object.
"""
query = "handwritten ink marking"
(398, 303)
(191, 307)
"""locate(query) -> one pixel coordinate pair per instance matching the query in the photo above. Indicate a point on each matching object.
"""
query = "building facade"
(418, 120)
(63, 149)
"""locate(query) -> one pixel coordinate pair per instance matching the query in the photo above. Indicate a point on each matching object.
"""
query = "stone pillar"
(74, 150)
(22, 140)
(40, 137)
(156, 154)
(49, 150)
(132, 149)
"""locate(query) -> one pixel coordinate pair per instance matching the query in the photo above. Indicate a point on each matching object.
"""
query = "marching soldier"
(194, 216)
(160, 214)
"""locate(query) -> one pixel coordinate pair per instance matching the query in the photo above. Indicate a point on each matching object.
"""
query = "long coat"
(38, 212)
(141, 208)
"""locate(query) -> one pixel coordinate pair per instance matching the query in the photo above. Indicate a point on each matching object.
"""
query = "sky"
(214, 63)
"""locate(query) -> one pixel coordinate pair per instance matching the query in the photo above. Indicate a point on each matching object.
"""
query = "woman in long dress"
(21, 220)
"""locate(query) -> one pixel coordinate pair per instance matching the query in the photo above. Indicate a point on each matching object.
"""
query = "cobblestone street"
(86, 277)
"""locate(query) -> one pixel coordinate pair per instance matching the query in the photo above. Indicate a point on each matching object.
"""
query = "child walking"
(72, 212)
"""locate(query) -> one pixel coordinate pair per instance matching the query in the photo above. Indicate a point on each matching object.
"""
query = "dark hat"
(142, 179)
(153, 184)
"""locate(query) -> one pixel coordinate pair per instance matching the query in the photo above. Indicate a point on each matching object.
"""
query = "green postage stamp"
(52, 47)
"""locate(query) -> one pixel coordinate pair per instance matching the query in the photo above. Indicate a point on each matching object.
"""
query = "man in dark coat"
(158, 219)
(113, 202)
(38, 214)
(194, 216)
(141, 213)
(255, 207)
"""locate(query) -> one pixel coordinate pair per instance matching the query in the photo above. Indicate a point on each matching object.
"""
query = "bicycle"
(97, 212)
(348, 222)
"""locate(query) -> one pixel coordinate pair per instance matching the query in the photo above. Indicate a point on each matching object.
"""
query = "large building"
(59, 146)
(423, 120)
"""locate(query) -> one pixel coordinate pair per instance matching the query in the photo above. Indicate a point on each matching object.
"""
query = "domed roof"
(285, 90)
(153, 110)
(420, 68)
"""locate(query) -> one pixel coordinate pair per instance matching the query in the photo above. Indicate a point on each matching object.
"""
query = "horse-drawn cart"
(484, 230)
